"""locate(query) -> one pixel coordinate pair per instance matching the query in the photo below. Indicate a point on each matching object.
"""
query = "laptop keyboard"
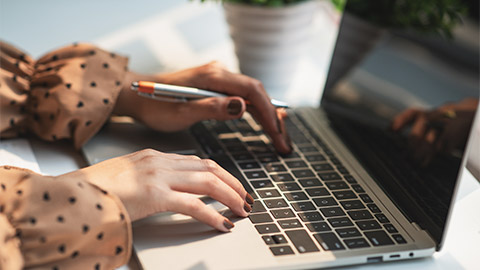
(306, 201)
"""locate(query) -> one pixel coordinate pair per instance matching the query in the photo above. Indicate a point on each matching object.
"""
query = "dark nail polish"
(234, 107)
(249, 199)
(228, 224)
(247, 207)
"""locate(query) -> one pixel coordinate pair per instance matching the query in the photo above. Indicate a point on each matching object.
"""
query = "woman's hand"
(149, 182)
(168, 116)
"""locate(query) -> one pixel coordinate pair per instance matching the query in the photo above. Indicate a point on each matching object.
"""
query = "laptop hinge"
(416, 226)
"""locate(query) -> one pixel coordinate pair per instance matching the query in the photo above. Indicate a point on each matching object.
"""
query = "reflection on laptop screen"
(402, 92)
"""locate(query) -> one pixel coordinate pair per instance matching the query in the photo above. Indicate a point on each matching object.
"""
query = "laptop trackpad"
(122, 136)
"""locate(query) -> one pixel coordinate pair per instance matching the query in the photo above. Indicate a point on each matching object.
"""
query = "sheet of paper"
(18, 152)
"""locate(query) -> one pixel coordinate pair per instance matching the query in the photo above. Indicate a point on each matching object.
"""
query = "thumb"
(217, 108)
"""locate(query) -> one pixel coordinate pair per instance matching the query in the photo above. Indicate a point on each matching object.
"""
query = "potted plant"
(269, 36)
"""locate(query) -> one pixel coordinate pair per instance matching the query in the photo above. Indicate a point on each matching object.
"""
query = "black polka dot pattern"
(93, 84)
(68, 85)
(46, 196)
(61, 248)
(72, 200)
(80, 104)
(85, 228)
(100, 236)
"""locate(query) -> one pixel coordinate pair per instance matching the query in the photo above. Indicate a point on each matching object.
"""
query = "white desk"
(164, 35)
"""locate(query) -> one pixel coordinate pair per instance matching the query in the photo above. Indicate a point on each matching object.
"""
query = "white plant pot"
(269, 41)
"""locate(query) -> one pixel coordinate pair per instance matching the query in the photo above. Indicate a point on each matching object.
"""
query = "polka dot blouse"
(61, 222)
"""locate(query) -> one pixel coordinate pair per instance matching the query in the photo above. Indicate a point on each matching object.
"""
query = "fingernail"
(249, 199)
(247, 207)
(228, 224)
(234, 107)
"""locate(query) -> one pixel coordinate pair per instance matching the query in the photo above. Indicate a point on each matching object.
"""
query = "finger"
(418, 129)
(403, 119)
(188, 205)
(213, 108)
(210, 166)
(206, 183)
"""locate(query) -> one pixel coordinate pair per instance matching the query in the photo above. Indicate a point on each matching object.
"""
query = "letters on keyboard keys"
(353, 204)
(249, 165)
(255, 174)
(315, 158)
(282, 250)
(296, 164)
(303, 173)
(275, 167)
(368, 225)
(360, 214)
(302, 241)
(279, 239)
(303, 206)
(288, 186)
(382, 218)
(325, 201)
(267, 228)
(261, 184)
(282, 177)
(329, 176)
(290, 223)
(329, 241)
(344, 195)
(378, 238)
(296, 196)
(336, 185)
(332, 212)
(317, 192)
(322, 167)
(260, 218)
(348, 232)
(399, 239)
(318, 227)
(268, 193)
(390, 228)
(356, 243)
(282, 213)
(310, 216)
(340, 222)
(276, 203)
(312, 182)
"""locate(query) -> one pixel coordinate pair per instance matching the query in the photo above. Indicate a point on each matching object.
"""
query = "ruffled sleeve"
(60, 222)
(68, 93)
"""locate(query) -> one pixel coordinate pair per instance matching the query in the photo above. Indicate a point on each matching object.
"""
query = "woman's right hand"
(149, 182)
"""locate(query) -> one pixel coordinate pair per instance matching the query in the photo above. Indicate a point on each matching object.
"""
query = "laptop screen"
(402, 93)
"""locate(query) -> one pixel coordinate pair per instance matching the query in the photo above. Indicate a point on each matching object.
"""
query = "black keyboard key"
(329, 241)
(336, 185)
(302, 241)
(312, 182)
(325, 201)
(317, 192)
(260, 218)
(249, 165)
(268, 193)
(318, 227)
(268, 240)
(322, 167)
(225, 162)
(390, 228)
(360, 214)
(257, 207)
(256, 143)
(332, 212)
(340, 222)
(358, 189)
(365, 198)
(335, 160)
(348, 232)
(291, 155)
(344, 195)
(379, 238)
(308, 149)
(282, 177)
(303, 173)
(315, 158)
(276, 203)
(303, 206)
(255, 174)
(230, 141)
(382, 218)
(242, 156)
(368, 225)
(296, 196)
(261, 183)
(356, 243)
(374, 208)
(399, 239)
(290, 223)
(310, 216)
(352, 204)
(342, 170)
(236, 148)
(267, 228)
(260, 149)
(279, 239)
(288, 186)
(283, 250)
(329, 176)
(350, 179)
(271, 167)
(267, 158)
(296, 164)
(282, 213)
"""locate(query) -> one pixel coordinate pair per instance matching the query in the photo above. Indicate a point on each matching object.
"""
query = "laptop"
(353, 191)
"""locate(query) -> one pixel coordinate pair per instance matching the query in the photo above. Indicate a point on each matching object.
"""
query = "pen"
(174, 93)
